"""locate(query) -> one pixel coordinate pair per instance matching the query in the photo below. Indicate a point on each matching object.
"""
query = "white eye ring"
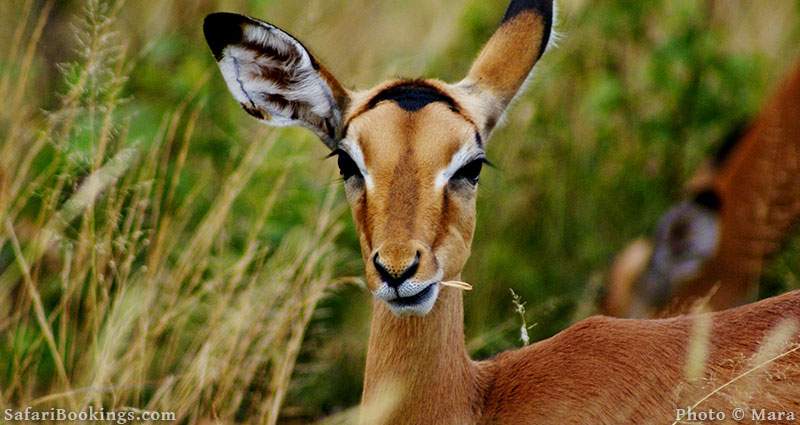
(352, 149)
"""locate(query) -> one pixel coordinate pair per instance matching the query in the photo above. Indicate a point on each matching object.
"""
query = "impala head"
(410, 151)
(648, 273)
(686, 238)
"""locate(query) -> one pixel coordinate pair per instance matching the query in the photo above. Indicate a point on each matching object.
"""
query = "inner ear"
(506, 61)
(274, 77)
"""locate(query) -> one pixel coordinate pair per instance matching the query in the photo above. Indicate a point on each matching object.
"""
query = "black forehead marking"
(412, 96)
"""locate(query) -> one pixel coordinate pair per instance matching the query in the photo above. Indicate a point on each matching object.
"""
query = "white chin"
(419, 309)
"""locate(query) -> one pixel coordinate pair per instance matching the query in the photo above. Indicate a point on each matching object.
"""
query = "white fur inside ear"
(555, 35)
(273, 77)
(687, 237)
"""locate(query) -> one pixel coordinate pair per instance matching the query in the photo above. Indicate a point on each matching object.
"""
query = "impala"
(740, 206)
(410, 153)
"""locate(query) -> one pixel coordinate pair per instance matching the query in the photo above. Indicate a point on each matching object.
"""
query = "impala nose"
(395, 269)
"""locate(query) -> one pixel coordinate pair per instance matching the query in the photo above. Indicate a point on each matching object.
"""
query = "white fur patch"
(686, 238)
(466, 153)
(410, 288)
(354, 150)
(272, 75)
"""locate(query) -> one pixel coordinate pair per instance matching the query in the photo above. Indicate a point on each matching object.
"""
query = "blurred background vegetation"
(160, 249)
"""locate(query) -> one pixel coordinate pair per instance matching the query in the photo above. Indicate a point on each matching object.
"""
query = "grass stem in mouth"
(457, 284)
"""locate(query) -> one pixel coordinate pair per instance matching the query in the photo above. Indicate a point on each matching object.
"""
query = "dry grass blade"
(769, 352)
(135, 278)
(458, 285)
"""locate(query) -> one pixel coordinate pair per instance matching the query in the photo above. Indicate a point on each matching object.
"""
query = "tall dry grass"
(110, 295)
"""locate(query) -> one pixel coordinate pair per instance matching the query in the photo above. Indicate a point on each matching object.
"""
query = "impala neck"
(419, 367)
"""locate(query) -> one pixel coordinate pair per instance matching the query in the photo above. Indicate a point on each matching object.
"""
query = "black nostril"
(412, 269)
(396, 278)
(384, 274)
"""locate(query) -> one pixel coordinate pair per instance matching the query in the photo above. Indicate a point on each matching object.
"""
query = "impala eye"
(471, 172)
(347, 167)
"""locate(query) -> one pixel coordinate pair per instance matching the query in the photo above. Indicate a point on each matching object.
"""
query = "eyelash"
(470, 172)
(347, 167)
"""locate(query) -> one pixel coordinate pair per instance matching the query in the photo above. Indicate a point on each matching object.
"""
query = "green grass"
(161, 250)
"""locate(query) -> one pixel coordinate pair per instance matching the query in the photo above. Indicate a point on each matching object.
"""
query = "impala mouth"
(418, 298)
(410, 304)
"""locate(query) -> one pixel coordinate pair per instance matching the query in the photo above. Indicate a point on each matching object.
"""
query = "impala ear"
(687, 237)
(274, 77)
(506, 61)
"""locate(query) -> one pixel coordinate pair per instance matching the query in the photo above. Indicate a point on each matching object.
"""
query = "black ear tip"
(543, 8)
(222, 29)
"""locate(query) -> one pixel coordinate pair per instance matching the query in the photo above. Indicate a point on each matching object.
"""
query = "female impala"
(410, 153)
(741, 205)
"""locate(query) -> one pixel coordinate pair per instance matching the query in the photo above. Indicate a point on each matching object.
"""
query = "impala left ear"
(506, 61)
(274, 77)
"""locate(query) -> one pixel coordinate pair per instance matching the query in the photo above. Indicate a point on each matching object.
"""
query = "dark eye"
(470, 172)
(347, 167)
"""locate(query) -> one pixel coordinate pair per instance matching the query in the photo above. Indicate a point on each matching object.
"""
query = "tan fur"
(611, 371)
(340, 94)
(494, 71)
(626, 269)
(759, 185)
(599, 371)
(404, 214)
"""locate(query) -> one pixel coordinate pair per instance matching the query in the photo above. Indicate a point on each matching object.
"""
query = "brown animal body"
(741, 205)
(599, 371)
(410, 154)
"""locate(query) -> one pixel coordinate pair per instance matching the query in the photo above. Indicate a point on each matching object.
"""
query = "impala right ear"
(274, 77)
(506, 61)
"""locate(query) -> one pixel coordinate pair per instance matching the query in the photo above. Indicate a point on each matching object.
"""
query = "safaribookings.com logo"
(88, 415)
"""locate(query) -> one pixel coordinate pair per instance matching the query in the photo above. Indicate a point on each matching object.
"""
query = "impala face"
(410, 152)
(411, 160)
